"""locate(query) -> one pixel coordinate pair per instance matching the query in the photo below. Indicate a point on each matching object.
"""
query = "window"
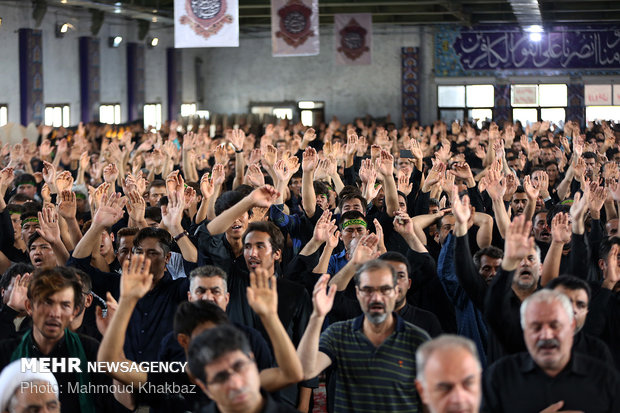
(278, 110)
(312, 113)
(537, 102)
(283, 113)
(474, 102)
(152, 115)
(4, 115)
(188, 109)
(110, 113)
(602, 102)
(57, 115)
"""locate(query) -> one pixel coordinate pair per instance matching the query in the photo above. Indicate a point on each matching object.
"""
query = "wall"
(235, 76)
(61, 64)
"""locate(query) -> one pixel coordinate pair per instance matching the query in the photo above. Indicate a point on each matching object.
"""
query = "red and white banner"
(295, 27)
(206, 23)
(353, 34)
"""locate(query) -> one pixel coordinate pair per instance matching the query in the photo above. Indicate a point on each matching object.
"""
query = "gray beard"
(376, 318)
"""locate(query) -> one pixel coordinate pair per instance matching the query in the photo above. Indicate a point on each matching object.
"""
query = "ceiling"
(256, 13)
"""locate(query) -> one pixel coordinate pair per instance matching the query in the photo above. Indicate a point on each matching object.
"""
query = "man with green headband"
(53, 300)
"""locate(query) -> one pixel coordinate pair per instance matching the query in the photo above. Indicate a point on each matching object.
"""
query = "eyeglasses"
(383, 290)
(225, 375)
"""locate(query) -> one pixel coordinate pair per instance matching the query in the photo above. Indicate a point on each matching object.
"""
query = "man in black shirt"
(550, 374)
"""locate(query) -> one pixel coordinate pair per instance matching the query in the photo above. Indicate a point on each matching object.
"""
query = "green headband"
(79, 195)
(356, 221)
(31, 219)
(27, 183)
(325, 195)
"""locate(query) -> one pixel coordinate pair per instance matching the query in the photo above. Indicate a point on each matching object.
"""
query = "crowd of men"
(446, 268)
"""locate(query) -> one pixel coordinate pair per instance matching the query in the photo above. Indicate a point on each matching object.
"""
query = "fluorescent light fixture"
(535, 32)
(154, 41)
(306, 105)
(115, 41)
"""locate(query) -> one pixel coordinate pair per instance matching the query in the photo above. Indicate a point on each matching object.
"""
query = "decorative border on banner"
(410, 81)
(575, 110)
(206, 27)
(506, 51)
(289, 17)
(31, 76)
(502, 110)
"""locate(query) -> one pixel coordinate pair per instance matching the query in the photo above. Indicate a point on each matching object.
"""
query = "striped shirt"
(369, 378)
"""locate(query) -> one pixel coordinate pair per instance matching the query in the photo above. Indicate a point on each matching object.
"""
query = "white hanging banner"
(206, 23)
(353, 34)
(295, 27)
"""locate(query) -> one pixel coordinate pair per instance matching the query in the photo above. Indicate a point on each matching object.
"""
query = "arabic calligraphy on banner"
(485, 49)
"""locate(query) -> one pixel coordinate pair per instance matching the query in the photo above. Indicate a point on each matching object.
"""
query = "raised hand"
(385, 164)
(598, 195)
(494, 184)
(309, 135)
(110, 210)
(530, 190)
(48, 219)
(270, 156)
(324, 227)
(237, 138)
(19, 293)
(322, 298)
(206, 186)
(560, 228)
(221, 156)
(7, 175)
(310, 160)
(172, 214)
(110, 173)
(136, 279)
(517, 242)
(404, 185)
(460, 208)
(263, 196)
(218, 175)
(434, 176)
(403, 223)
(67, 205)
(136, 205)
(64, 181)
(322, 170)
(262, 293)
(580, 204)
(254, 176)
(366, 249)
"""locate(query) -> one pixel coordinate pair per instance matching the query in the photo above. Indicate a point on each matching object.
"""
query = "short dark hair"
(275, 235)
(190, 314)
(125, 232)
(570, 282)
(48, 281)
(320, 188)
(590, 155)
(374, 265)
(227, 200)
(157, 183)
(397, 257)
(153, 212)
(605, 247)
(20, 198)
(15, 208)
(163, 237)
(32, 239)
(18, 268)
(490, 251)
(208, 271)
(25, 178)
(212, 344)
(350, 196)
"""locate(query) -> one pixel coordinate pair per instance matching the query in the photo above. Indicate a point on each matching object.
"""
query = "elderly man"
(365, 350)
(552, 376)
(28, 391)
(449, 375)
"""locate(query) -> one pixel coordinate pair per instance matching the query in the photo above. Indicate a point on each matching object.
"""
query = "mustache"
(376, 303)
(547, 343)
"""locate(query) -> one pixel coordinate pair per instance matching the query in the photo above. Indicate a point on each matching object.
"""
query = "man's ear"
(410, 281)
(168, 257)
(420, 388)
(602, 264)
(29, 307)
(183, 340)
(88, 300)
(277, 256)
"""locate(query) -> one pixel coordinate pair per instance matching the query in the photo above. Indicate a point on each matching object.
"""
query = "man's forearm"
(391, 195)
(187, 247)
(84, 248)
(551, 265)
(223, 221)
(61, 253)
(308, 348)
(344, 276)
(308, 197)
(289, 368)
(321, 267)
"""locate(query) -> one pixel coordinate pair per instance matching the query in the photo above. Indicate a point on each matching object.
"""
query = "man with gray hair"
(365, 351)
(28, 391)
(553, 377)
(449, 375)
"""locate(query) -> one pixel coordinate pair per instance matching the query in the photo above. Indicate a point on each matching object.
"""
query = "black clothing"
(152, 318)
(426, 320)
(171, 350)
(589, 345)
(216, 250)
(7, 324)
(271, 406)
(604, 319)
(69, 400)
(516, 384)
(159, 392)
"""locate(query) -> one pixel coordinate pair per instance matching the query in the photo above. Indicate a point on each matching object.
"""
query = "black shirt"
(271, 406)
(426, 320)
(516, 384)
(170, 393)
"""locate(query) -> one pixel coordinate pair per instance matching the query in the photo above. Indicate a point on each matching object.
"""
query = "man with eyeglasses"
(223, 365)
(365, 350)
